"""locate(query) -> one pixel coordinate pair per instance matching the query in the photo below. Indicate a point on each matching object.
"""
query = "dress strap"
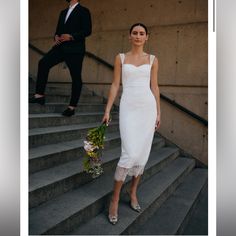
(152, 57)
(122, 57)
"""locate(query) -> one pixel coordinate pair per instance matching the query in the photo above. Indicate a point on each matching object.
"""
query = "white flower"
(88, 146)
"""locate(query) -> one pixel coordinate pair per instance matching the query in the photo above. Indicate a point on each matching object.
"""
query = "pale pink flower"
(88, 146)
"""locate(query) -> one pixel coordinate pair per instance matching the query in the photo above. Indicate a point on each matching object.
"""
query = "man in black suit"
(73, 26)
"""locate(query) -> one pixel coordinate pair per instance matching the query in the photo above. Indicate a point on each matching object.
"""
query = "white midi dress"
(137, 118)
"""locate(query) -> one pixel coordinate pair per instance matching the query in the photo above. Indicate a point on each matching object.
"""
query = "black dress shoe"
(68, 112)
(40, 100)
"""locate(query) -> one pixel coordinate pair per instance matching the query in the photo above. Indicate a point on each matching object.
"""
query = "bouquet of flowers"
(93, 146)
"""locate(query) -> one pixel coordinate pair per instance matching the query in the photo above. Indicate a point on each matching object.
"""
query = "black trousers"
(74, 62)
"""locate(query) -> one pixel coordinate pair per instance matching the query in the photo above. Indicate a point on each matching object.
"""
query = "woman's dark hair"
(138, 24)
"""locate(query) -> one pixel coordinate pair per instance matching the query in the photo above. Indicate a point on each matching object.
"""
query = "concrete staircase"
(65, 200)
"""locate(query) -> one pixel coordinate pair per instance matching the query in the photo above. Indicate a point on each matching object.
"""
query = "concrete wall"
(178, 37)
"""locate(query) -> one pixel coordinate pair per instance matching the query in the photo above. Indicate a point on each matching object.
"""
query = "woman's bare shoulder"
(118, 59)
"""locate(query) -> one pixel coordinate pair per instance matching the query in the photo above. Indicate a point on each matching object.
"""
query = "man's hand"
(66, 37)
(57, 40)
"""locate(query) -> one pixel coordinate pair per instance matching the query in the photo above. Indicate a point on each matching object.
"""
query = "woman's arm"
(114, 87)
(155, 88)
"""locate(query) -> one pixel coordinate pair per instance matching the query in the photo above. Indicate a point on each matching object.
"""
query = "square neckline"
(138, 65)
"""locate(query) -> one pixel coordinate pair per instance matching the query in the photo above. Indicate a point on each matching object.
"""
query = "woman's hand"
(158, 122)
(106, 118)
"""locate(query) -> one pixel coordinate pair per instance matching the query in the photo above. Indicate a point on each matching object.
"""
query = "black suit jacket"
(78, 25)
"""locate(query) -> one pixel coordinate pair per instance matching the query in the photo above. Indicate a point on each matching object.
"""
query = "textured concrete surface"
(175, 213)
(150, 197)
(198, 223)
(65, 206)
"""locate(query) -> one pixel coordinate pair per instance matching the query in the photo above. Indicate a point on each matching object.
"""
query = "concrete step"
(66, 212)
(52, 182)
(198, 222)
(65, 89)
(172, 217)
(57, 134)
(60, 107)
(152, 193)
(52, 119)
(85, 98)
(47, 156)
(58, 89)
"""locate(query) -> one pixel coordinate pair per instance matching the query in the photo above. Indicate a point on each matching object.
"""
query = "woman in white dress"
(139, 115)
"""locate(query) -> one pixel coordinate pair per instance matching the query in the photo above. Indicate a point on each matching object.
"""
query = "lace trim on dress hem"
(121, 172)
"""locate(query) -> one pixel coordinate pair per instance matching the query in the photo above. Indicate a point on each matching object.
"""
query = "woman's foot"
(113, 212)
(134, 202)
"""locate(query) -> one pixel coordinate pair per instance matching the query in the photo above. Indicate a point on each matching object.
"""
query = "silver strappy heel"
(113, 219)
(135, 207)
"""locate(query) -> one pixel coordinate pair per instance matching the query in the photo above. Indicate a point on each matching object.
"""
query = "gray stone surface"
(58, 89)
(171, 217)
(86, 98)
(45, 177)
(89, 197)
(52, 182)
(53, 119)
(52, 155)
(60, 107)
(198, 222)
(50, 135)
(150, 193)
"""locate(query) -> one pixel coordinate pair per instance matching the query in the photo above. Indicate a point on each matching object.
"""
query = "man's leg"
(74, 62)
(52, 58)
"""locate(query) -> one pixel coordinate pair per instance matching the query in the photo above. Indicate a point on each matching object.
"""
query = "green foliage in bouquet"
(93, 146)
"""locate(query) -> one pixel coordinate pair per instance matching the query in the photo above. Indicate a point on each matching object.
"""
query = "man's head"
(72, 0)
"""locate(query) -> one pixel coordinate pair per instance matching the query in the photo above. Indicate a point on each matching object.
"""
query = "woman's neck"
(138, 51)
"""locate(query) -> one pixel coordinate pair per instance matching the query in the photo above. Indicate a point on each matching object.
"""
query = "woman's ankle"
(132, 192)
(133, 195)
(113, 208)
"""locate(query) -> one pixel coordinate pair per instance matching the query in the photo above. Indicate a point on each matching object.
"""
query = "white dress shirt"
(71, 8)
